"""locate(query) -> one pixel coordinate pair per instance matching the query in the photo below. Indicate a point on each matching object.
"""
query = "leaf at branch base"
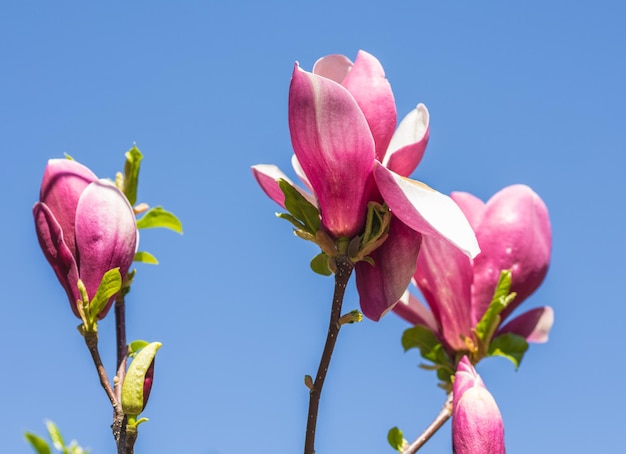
(396, 439)
(319, 264)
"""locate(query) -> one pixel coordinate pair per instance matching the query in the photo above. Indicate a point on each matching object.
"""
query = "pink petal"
(425, 210)
(334, 67)
(533, 325)
(513, 234)
(409, 142)
(413, 311)
(472, 207)
(381, 286)
(106, 234)
(54, 247)
(267, 175)
(334, 146)
(477, 426)
(367, 83)
(444, 276)
(63, 182)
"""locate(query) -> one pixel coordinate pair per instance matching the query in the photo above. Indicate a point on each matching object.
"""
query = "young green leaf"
(319, 264)
(396, 439)
(39, 444)
(55, 436)
(158, 217)
(300, 208)
(510, 346)
(135, 346)
(425, 340)
(110, 284)
(145, 257)
(501, 299)
(131, 174)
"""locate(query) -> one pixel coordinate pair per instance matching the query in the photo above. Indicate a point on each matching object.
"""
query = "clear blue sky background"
(519, 92)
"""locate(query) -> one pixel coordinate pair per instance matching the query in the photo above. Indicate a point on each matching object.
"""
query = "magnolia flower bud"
(477, 426)
(85, 227)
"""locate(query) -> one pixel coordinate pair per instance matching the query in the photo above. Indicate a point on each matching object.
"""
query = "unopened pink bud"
(477, 426)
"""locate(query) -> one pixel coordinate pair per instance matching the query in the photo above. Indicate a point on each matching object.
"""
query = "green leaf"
(110, 284)
(55, 436)
(145, 257)
(300, 208)
(510, 346)
(396, 439)
(287, 217)
(39, 444)
(131, 174)
(501, 299)
(136, 345)
(158, 217)
(424, 339)
(319, 264)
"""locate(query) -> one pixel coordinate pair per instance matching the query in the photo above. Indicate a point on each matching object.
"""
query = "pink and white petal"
(444, 276)
(372, 91)
(514, 234)
(56, 251)
(381, 286)
(334, 67)
(426, 210)
(63, 182)
(413, 311)
(533, 325)
(472, 207)
(106, 234)
(334, 146)
(267, 175)
(298, 169)
(408, 143)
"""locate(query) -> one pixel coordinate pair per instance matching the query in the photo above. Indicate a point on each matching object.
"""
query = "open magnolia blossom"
(477, 426)
(513, 231)
(342, 120)
(85, 228)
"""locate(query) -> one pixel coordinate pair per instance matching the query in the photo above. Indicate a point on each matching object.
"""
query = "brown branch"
(91, 339)
(442, 417)
(342, 275)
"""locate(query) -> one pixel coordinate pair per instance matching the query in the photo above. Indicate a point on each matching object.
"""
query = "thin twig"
(91, 339)
(342, 275)
(442, 417)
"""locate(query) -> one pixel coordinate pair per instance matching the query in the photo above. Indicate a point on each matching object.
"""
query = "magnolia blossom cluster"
(347, 153)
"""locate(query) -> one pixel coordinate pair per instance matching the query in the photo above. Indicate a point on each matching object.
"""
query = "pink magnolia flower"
(477, 426)
(342, 120)
(513, 231)
(85, 227)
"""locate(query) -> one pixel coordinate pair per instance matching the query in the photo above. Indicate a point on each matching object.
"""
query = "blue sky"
(519, 92)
